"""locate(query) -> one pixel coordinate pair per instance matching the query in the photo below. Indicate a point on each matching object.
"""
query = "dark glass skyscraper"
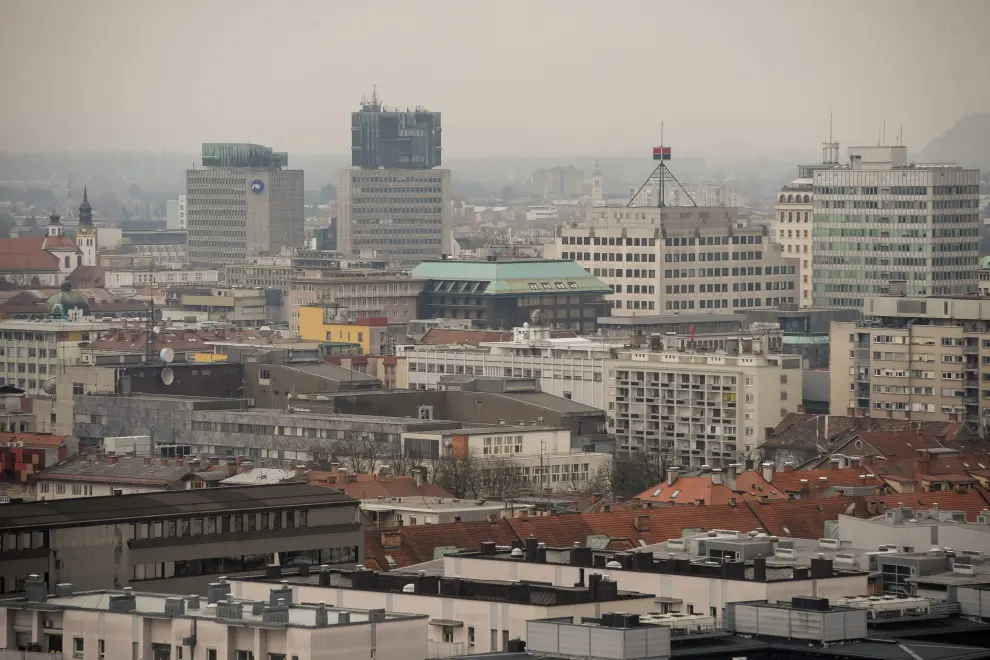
(393, 139)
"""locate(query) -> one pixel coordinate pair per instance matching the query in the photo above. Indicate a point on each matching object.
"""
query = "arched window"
(782, 198)
(67, 262)
(790, 198)
(807, 199)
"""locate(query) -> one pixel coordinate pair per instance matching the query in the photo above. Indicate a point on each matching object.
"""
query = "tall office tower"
(242, 202)
(884, 225)
(393, 203)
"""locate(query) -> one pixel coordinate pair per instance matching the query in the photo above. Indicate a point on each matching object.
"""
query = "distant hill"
(966, 143)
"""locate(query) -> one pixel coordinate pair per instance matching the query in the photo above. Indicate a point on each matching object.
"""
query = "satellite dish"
(167, 355)
(536, 317)
(168, 376)
(48, 387)
(157, 329)
(265, 331)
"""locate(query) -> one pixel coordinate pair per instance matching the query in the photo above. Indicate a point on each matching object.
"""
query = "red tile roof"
(812, 483)
(803, 518)
(87, 277)
(417, 542)
(33, 439)
(687, 490)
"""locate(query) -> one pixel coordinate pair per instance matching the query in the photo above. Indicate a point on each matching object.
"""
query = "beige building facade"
(914, 358)
(793, 229)
(697, 259)
(355, 294)
(699, 408)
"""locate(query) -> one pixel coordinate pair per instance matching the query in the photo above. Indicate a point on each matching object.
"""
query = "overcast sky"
(512, 78)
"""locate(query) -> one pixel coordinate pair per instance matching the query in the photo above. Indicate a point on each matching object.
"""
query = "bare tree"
(459, 475)
(501, 477)
(627, 474)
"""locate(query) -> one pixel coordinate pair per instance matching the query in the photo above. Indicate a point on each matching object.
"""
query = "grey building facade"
(242, 202)
(400, 215)
(178, 541)
(883, 225)
(392, 138)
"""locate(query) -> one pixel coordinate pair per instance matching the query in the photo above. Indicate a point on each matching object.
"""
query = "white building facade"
(566, 367)
(793, 229)
(699, 408)
(884, 225)
(680, 259)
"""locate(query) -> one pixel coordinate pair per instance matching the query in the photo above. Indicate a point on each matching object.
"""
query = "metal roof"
(511, 277)
(81, 511)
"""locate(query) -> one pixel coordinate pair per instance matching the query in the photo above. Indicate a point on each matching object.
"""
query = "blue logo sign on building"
(257, 186)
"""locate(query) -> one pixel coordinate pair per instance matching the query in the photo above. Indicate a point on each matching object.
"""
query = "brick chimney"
(924, 462)
(642, 522)
(788, 466)
(147, 460)
(112, 459)
(392, 539)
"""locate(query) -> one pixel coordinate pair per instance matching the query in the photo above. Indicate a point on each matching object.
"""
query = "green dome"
(66, 300)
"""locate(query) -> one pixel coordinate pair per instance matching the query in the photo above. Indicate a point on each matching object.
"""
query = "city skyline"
(755, 79)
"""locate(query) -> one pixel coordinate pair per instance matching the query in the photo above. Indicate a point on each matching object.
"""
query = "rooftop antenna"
(68, 198)
(374, 95)
(661, 175)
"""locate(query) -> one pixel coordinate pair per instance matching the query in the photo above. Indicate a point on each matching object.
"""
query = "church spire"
(85, 210)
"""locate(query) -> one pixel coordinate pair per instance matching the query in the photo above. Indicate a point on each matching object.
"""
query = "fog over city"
(512, 78)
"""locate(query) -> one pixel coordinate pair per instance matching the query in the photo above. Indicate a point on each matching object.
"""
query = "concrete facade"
(354, 294)
(701, 408)
(400, 215)
(176, 541)
(125, 625)
(235, 212)
(701, 260)
(882, 224)
(914, 358)
(794, 230)
(568, 368)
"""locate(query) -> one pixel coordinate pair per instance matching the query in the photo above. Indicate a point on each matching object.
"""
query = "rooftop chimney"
(788, 466)
(671, 475)
(767, 470)
(112, 459)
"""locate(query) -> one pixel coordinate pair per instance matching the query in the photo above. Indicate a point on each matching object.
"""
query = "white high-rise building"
(883, 224)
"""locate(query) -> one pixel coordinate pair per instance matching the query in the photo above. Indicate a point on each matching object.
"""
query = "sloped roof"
(417, 542)
(805, 430)
(87, 276)
(687, 490)
(34, 261)
(811, 483)
(126, 470)
(513, 276)
(803, 518)
(259, 476)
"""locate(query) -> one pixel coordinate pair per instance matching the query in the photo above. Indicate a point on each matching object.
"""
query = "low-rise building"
(419, 510)
(375, 335)
(176, 541)
(122, 625)
(507, 293)
(23, 455)
(355, 293)
(466, 615)
(700, 408)
(530, 457)
(568, 367)
(96, 474)
(239, 307)
(731, 568)
(134, 278)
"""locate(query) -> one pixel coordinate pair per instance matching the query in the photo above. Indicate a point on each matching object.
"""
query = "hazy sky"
(512, 78)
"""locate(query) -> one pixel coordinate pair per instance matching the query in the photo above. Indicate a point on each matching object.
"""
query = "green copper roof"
(984, 262)
(510, 277)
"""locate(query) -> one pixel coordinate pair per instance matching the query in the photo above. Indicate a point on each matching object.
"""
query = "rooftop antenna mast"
(661, 175)
(68, 198)
(830, 149)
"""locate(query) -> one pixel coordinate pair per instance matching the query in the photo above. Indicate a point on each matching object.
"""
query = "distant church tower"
(55, 225)
(86, 233)
(597, 184)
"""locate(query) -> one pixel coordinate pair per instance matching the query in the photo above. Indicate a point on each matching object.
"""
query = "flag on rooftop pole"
(661, 153)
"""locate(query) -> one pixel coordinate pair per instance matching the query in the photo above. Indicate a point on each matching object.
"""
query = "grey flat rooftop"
(329, 371)
(154, 605)
(81, 511)
(497, 428)
(135, 470)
